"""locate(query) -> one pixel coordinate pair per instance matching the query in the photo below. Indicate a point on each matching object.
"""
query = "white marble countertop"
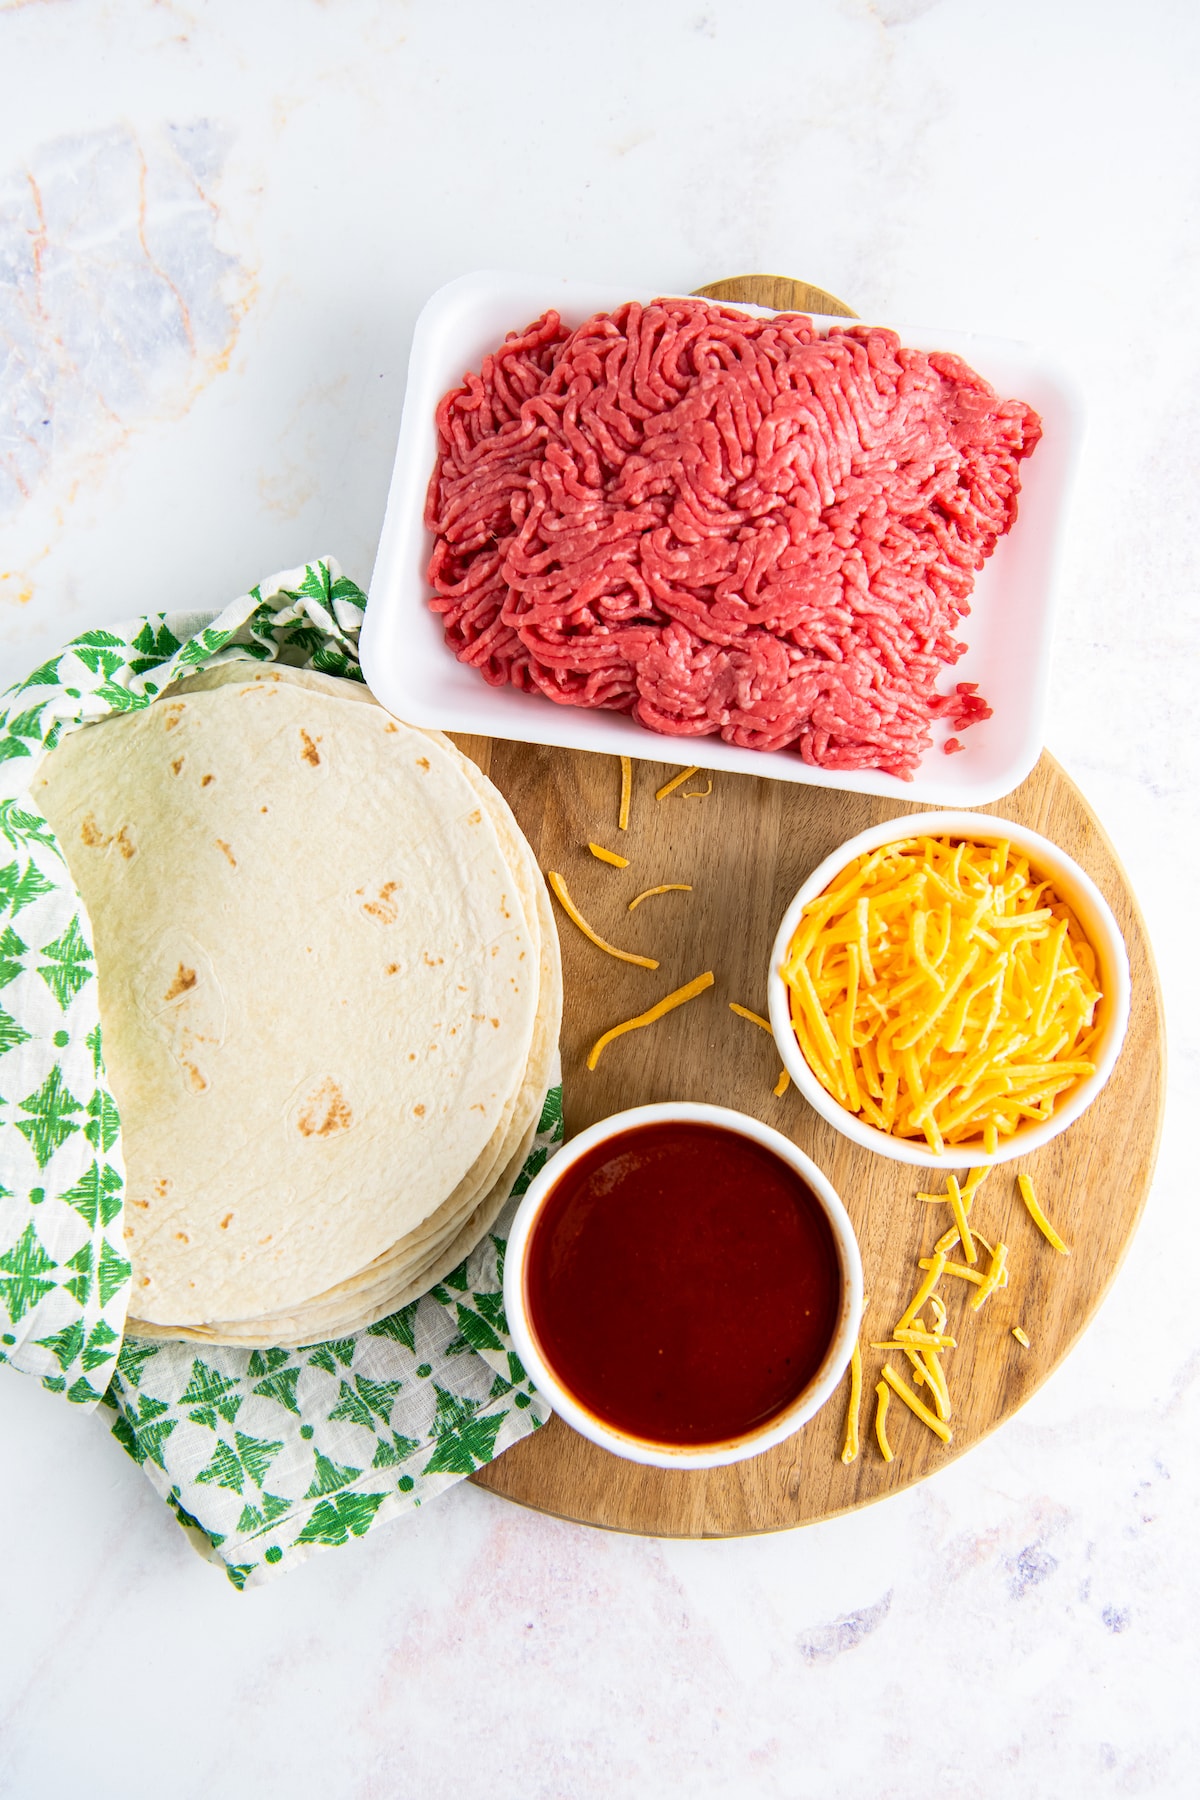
(217, 225)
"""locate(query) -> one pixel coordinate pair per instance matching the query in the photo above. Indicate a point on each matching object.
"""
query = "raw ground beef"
(725, 525)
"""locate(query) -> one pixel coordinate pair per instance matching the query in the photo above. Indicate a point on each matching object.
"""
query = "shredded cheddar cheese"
(1029, 1196)
(916, 1343)
(936, 1376)
(743, 1012)
(572, 911)
(678, 781)
(850, 1447)
(883, 1396)
(698, 793)
(1020, 1336)
(903, 1392)
(608, 856)
(668, 887)
(626, 793)
(991, 1281)
(959, 1209)
(665, 1005)
(942, 992)
(934, 1268)
(961, 1270)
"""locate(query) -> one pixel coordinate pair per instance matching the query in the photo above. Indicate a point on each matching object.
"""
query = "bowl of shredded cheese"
(949, 988)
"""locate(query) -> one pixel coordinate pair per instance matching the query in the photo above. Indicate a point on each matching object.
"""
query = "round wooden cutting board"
(746, 847)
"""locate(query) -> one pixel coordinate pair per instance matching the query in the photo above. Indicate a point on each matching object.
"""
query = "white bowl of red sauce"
(1069, 895)
(683, 1285)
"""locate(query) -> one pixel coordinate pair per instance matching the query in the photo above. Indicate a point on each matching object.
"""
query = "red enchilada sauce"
(683, 1283)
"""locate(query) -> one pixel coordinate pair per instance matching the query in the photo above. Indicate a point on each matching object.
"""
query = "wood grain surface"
(779, 292)
(746, 848)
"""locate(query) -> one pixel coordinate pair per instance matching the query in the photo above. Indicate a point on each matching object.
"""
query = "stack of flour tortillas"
(330, 997)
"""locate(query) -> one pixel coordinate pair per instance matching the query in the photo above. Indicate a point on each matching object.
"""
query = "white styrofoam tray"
(412, 672)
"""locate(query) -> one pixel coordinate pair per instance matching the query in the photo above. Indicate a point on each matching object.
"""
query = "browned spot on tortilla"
(474, 818)
(267, 1239)
(125, 843)
(496, 1023)
(392, 969)
(434, 962)
(206, 779)
(181, 1237)
(478, 1106)
(226, 1222)
(177, 765)
(384, 909)
(196, 1079)
(145, 1281)
(390, 726)
(325, 1112)
(142, 1205)
(230, 858)
(91, 833)
(309, 753)
(185, 978)
(420, 1111)
(422, 761)
(129, 1231)
(262, 809)
(174, 712)
(258, 688)
(161, 1186)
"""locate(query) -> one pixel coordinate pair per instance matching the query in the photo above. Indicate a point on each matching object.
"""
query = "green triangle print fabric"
(64, 1282)
(266, 1456)
(263, 1456)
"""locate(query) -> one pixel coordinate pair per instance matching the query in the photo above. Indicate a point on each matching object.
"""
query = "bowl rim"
(1072, 884)
(641, 1450)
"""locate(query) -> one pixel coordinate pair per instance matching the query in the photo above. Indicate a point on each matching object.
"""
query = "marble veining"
(117, 303)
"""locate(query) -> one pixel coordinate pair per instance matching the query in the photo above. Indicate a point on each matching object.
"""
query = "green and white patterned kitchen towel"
(264, 1456)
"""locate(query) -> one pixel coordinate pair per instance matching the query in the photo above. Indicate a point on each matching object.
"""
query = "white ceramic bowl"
(1070, 884)
(411, 671)
(681, 1456)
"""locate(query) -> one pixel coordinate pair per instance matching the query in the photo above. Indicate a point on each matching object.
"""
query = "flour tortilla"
(316, 1015)
(429, 1253)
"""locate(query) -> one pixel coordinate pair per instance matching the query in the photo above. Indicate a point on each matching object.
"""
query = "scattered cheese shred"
(698, 793)
(916, 1343)
(936, 1377)
(903, 1392)
(1020, 1336)
(1029, 1196)
(572, 911)
(608, 856)
(850, 1447)
(934, 1266)
(959, 1208)
(678, 781)
(668, 887)
(626, 793)
(991, 1280)
(883, 1397)
(665, 1005)
(941, 991)
(743, 1012)
(961, 1270)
